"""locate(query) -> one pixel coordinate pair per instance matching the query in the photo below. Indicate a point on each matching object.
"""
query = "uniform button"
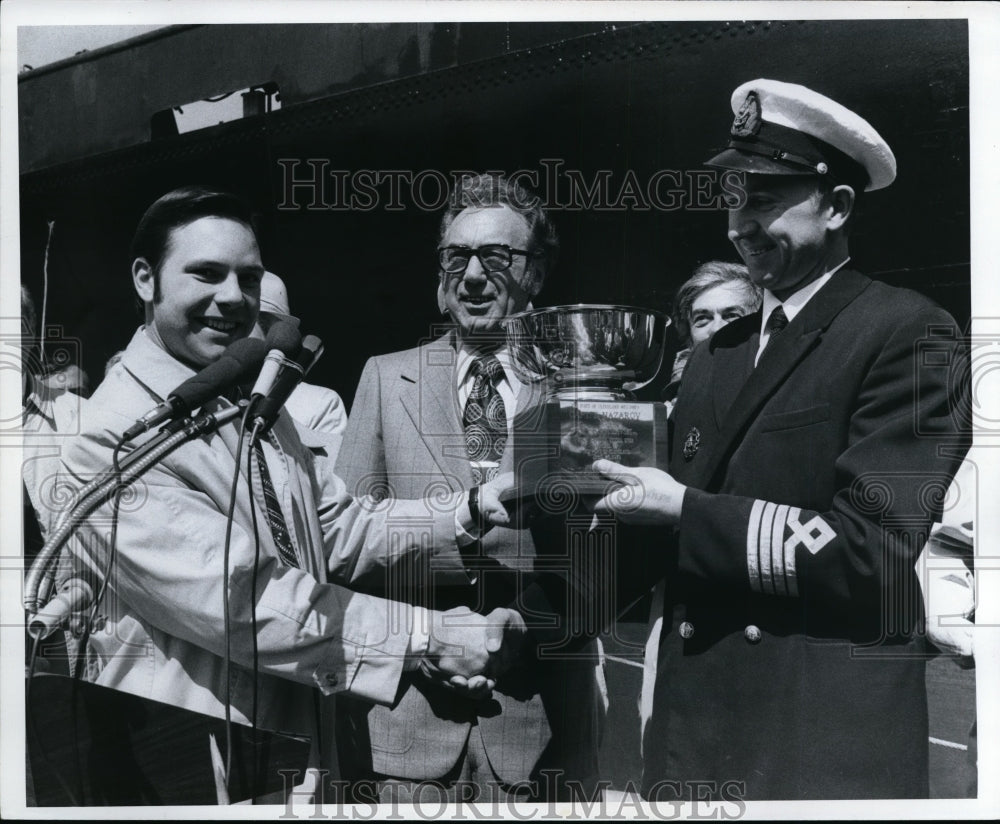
(686, 629)
(331, 679)
(753, 634)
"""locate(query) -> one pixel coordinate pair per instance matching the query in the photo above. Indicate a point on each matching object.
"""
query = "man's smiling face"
(478, 300)
(781, 232)
(206, 294)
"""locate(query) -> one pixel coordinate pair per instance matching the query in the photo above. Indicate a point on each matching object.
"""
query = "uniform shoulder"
(899, 305)
(901, 296)
(736, 331)
(738, 327)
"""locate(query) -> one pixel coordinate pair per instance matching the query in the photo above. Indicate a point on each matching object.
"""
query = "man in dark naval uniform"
(813, 441)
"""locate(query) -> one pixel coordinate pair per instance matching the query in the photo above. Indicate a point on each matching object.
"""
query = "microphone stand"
(38, 582)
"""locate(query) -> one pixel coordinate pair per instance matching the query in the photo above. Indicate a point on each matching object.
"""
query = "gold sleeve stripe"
(788, 549)
(753, 536)
(770, 557)
(767, 527)
(778, 550)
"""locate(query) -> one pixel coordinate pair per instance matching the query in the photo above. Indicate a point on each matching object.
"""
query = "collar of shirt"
(793, 304)
(34, 404)
(509, 387)
(160, 373)
(149, 363)
(54, 406)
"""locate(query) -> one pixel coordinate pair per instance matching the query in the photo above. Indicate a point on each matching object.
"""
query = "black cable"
(105, 577)
(115, 464)
(88, 625)
(254, 435)
(225, 592)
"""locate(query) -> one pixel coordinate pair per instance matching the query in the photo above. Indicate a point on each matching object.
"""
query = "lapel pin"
(691, 443)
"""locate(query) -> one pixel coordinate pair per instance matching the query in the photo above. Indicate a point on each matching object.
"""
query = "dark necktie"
(485, 419)
(279, 530)
(776, 323)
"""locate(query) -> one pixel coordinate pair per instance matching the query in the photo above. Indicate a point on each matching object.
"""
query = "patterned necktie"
(279, 530)
(485, 419)
(776, 323)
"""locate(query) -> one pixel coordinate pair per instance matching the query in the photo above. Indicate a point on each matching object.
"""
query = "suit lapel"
(778, 361)
(732, 364)
(429, 397)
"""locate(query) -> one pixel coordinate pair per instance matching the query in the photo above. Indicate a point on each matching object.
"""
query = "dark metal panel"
(638, 99)
(105, 99)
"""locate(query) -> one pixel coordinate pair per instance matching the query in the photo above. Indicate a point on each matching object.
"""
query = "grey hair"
(484, 191)
(708, 276)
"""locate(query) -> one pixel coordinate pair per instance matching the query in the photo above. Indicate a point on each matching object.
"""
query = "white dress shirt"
(509, 387)
(792, 305)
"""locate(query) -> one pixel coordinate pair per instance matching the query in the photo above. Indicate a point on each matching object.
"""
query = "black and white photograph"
(499, 410)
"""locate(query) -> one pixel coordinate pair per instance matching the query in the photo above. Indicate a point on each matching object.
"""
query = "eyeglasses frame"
(474, 252)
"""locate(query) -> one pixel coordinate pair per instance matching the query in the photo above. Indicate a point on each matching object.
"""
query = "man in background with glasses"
(438, 417)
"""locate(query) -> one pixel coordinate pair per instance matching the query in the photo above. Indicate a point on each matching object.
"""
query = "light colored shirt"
(509, 387)
(50, 419)
(792, 305)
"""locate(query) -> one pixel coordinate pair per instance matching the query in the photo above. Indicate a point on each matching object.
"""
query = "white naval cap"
(788, 129)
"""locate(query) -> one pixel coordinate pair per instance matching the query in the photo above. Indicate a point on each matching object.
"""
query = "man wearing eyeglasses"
(439, 417)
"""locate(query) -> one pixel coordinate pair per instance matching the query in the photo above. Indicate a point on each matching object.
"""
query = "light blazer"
(789, 663)
(404, 439)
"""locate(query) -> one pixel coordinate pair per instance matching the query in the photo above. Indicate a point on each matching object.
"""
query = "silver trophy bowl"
(594, 349)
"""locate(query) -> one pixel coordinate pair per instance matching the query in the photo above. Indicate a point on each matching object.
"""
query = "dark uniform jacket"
(789, 667)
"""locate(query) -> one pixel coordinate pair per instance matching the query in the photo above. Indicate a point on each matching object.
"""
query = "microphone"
(266, 411)
(101, 489)
(236, 364)
(74, 595)
(283, 342)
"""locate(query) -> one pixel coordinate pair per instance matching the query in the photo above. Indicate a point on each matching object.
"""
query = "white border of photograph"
(984, 34)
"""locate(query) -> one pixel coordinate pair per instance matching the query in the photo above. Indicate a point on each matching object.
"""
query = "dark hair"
(482, 191)
(708, 276)
(179, 208)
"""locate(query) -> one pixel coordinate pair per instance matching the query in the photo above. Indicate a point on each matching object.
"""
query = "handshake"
(467, 652)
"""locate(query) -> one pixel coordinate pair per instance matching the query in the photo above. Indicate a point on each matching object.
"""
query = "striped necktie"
(279, 530)
(485, 419)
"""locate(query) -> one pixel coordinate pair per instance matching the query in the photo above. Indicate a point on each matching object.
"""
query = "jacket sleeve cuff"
(420, 637)
(374, 671)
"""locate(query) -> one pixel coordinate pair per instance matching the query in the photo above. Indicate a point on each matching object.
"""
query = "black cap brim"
(753, 163)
